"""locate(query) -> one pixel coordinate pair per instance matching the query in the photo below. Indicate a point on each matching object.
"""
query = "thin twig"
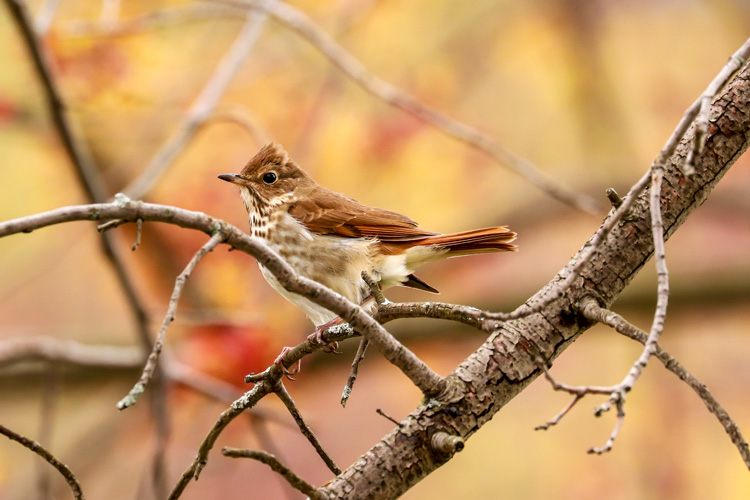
(353, 372)
(112, 224)
(88, 174)
(285, 398)
(247, 401)
(49, 457)
(201, 108)
(387, 417)
(261, 456)
(556, 419)
(298, 22)
(179, 285)
(662, 297)
(591, 310)
(138, 232)
(616, 396)
(438, 310)
(375, 290)
(620, 404)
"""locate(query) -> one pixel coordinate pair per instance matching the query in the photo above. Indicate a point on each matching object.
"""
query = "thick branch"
(505, 364)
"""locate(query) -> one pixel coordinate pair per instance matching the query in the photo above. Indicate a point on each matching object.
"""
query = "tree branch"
(123, 208)
(505, 364)
(261, 456)
(592, 311)
(49, 457)
(179, 285)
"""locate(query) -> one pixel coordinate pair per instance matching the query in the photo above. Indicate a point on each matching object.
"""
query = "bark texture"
(505, 364)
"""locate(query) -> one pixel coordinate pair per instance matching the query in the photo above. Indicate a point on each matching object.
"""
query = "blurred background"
(589, 91)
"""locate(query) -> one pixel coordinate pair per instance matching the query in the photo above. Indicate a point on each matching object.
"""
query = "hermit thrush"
(332, 239)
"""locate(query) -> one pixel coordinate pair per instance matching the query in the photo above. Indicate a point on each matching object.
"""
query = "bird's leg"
(288, 372)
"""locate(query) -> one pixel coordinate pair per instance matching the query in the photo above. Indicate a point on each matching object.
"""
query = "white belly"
(338, 263)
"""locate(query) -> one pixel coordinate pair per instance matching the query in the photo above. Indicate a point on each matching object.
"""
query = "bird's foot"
(288, 372)
(316, 337)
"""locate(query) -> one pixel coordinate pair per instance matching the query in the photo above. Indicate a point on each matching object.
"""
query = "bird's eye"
(269, 178)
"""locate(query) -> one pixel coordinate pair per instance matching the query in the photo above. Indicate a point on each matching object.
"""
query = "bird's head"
(269, 178)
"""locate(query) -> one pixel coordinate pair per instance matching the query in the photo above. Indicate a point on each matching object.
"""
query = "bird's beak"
(234, 179)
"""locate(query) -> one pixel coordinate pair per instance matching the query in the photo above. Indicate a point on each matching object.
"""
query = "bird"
(332, 239)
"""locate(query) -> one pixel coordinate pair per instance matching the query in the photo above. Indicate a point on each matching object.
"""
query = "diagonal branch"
(285, 398)
(293, 479)
(247, 401)
(429, 382)
(49, 457)
(179, 285)
(592, 311)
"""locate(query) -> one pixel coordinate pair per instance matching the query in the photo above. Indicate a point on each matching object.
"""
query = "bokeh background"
(587, 90)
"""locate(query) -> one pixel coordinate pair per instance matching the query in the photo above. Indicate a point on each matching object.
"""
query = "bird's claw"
(317, 338)
(288, 372)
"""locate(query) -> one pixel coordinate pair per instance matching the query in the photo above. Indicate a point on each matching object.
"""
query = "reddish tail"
(490, 239)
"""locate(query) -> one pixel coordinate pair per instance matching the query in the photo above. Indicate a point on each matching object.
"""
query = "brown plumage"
(332, 238)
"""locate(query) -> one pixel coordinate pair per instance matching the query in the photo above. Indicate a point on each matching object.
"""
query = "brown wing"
(327, 212)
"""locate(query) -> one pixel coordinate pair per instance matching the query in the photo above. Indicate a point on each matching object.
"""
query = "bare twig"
(616, 396)
(138, 232)
(438, 310)
(592, 311)
(49, 457)
(179, 285)
(613, 197)
(285, 398)
(657, 229)
(573, 272)
(201, 107)
(261, 456)
(375, 290)
(353, 372)
(247, 401)
(619, 401)
(112, 224)
(387, 417)
(298, 22)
